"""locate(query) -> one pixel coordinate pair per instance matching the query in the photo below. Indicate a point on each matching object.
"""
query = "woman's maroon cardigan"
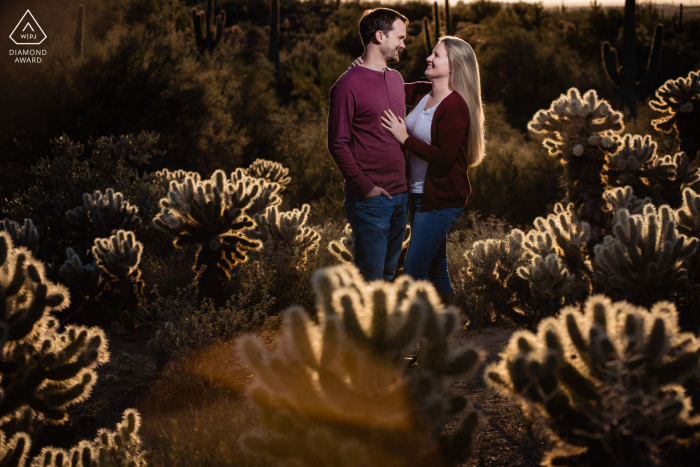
(446, 181)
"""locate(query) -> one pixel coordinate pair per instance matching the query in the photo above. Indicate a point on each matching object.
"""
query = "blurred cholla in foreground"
(287, 229)
(121, 447)
(270, 171)
(102, 214)
(25, 235)
(679, 100)
(43, 370)
(606, 381)
(334, 394)
(584, 130)
(212, 214)
(646, 257)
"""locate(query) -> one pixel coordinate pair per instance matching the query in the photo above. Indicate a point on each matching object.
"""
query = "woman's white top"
(418, 125)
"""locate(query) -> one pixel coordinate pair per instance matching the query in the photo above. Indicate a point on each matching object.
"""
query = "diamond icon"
(28, 31)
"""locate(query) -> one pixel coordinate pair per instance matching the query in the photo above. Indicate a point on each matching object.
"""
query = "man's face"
(392, 43)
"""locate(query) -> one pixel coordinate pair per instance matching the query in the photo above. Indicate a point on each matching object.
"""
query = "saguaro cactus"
(426, 34)
(211, 213)
(646, 257)
(448, 18)
(43, 370)
(679, 100)
(436, 21)
(332, 394)
(102, 214)
(584, 130)
(605, 381)
(679, 26)
(274, 50)
(206, 33)
(79, 31)
(25, 235)
(625, 76)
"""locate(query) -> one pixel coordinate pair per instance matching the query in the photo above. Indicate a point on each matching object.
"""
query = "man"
(370, 159)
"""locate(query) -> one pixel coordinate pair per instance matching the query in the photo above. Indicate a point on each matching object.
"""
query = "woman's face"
(438, 64)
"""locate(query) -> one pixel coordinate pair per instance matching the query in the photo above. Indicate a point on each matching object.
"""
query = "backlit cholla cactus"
(624, 198)
(270, 171)
(212, 214)
(684, 175)
(121, 447)
(606, 382)
(584, 130)
(43, 370)
(556, 255)
(286, 230)
(679, 100)
(25, 235)
(491, 272)
(178, 175)
(344, 248)
(83, 280)
(645, 257)
(119, 257)
(334, 393)
(102, 214)
(689, 214)
(268, 192)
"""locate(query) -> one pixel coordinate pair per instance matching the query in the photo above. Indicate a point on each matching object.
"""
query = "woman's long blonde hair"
(465, 80)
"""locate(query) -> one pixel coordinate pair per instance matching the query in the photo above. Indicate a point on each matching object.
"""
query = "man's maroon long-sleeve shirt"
(366, 154)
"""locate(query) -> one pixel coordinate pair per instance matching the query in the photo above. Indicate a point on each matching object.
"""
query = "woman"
(443, 136)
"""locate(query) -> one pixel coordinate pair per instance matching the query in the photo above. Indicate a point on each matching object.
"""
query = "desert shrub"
(605, 381)
(332, 392)
(60, 181)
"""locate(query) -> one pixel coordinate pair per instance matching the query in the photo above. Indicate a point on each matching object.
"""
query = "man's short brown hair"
(379, 19)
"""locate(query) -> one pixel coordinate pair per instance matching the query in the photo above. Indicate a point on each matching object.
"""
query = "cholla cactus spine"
(286, 227)
(345, 372)
(45, 371)
(178, 175)
(601, 380)
(679, 101)
(689, 213)
(102, 214)
(270, 171)
(119, 256)
(344, 248)
(25, 235)
(585, 131)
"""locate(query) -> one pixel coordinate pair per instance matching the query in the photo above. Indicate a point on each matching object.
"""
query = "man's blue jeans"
(427, 252)
(378, 225)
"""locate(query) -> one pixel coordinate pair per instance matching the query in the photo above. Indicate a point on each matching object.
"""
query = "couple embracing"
(399, 168)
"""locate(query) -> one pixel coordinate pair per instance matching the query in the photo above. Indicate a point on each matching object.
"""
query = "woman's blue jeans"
(427, 252)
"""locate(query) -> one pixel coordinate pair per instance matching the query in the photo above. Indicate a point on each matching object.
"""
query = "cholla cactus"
(679, 100)
(333, 393)
(43, 370)
(287, 228)
(210, 213)
(558, 265)
(25, 235)
(646, 257)
(585, 131)
(624, 198)
(689, 214)
(110, 448)
(102, 214)
(119, 256)
(606, 381)
(178, 175)
(83, 280)
(344, 248)
(270, 171)
(268, 192)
